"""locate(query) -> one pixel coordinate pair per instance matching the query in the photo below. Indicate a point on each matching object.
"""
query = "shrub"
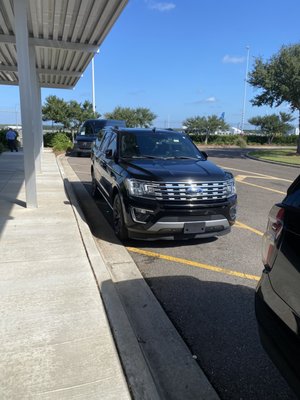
(244, 140)
(60, 141)
(241, 142)
(2, 136)
(47, 139)
(287, 140)
(2, 148)
(222, 139)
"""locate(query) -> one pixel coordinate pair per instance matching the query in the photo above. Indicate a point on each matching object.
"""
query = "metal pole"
(245, 90)
(25, 70)
(93, 85)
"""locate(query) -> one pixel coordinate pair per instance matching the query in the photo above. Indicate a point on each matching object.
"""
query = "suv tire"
(118, 219)
(94, 190)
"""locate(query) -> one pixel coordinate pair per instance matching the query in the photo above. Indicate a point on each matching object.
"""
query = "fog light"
(232, 212)
(141, 215)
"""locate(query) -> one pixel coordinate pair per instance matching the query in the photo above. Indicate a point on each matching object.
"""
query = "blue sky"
(182, 58)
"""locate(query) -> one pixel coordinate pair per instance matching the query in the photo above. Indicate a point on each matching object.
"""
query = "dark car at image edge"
(277, 298)
(160, 185)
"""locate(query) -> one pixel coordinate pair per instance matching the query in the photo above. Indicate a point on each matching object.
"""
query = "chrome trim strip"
(179, 225)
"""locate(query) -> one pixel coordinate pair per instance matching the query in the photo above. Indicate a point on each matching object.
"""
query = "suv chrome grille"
(187, 191)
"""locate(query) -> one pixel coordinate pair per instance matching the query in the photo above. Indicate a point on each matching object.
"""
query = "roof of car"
(145, 130)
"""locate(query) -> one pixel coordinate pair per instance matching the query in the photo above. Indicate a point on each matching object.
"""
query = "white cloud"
(154, 5)
(233, 59)
(211, 99)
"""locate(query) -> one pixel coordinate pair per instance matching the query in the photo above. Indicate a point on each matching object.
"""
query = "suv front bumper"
(179, 221)
(82, 147)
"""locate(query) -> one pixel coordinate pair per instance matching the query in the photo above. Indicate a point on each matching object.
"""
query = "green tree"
(207, 125)
(279, 80)
(272, 125)
(73, 115)
(87, 111)
(70, 114)
(55, 110)
(78, 113)
(134, 117)
(195, 125)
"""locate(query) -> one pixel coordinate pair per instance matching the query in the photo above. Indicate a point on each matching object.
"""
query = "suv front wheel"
(118, 219)
(94, 189)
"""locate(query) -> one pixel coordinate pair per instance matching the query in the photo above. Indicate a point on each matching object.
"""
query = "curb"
(271, 162)
(157, 362)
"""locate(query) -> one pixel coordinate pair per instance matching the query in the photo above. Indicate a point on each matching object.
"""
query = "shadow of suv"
(160, 185)
(277, 299)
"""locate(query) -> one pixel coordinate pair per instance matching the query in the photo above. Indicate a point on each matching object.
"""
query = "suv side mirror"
(204, 154)
(109, 153)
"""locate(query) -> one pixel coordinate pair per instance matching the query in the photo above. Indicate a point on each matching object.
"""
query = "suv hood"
(173, 170)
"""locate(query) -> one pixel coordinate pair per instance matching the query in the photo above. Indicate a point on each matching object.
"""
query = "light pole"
(93, 83)
(245, 90)
(93, 86)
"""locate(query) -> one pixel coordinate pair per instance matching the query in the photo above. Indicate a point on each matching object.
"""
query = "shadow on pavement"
(227, 153)
(11, 181)
(218, 324)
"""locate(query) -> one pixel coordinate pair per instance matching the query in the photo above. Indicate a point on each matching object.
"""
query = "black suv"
(88, 132)
(160, 185)
(277, 299)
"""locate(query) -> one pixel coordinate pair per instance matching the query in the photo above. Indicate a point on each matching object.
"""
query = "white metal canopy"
(48, 43)
(65, 35)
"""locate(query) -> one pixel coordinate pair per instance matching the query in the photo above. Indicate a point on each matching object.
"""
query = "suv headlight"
(231, 190)
(139, 188)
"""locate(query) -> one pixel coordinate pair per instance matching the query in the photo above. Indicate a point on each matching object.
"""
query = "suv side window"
(105, 141)
(99, 139)
(113, 143)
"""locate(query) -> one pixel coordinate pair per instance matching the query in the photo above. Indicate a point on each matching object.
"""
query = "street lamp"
(245, 90)
(93, 84)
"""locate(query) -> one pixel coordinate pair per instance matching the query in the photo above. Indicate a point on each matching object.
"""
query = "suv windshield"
(166, 145)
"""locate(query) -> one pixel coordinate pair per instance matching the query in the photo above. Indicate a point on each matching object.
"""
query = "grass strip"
(285, 156)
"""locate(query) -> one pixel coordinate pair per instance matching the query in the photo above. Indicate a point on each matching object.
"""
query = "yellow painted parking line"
(258, 186)
(239, 224)
(194, 264)
(256, 173)
(242, 177)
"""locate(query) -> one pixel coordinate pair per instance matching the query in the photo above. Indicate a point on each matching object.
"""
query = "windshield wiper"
(141, 157)
(181, 158)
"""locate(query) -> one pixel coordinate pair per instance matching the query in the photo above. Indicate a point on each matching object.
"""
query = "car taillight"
(272, 235)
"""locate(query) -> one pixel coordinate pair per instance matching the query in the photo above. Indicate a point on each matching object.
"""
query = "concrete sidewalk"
(56, 342)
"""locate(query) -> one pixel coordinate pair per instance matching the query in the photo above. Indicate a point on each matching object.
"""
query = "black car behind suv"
(277, 300)
(88, 132)
(160, 185)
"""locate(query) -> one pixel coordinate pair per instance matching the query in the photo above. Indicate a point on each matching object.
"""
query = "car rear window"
(293, 194)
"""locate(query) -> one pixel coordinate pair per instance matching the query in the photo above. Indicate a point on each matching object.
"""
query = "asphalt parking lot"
(207, 286)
